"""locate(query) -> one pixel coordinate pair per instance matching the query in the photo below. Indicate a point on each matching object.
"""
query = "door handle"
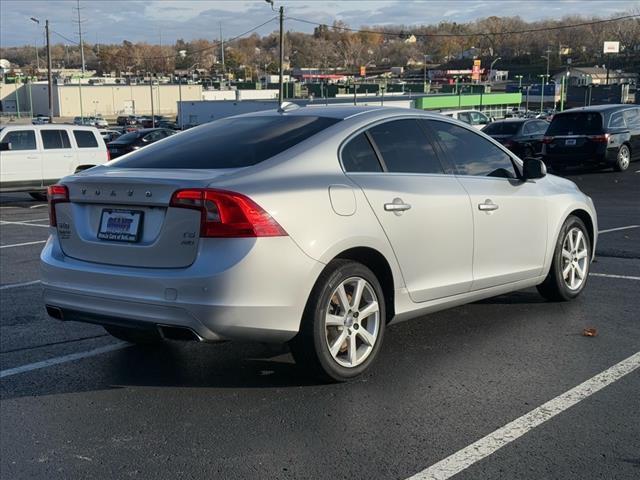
(31, 158)
(487, 206)
(397, 206)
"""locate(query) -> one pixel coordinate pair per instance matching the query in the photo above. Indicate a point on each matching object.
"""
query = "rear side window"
(358, 156)
(576, 123)
(471, 153)
(616, 121)
(85, 139)
(405, 148)
(228, 143)
(21, 140)
(53, 139)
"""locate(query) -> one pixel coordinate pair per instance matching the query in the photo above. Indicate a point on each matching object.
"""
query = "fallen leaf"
(589, 332)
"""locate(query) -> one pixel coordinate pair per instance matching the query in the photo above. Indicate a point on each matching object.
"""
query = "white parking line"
(617, 229)
(607, 275)
(65, 359)
(4, 222)
(23, 244)
(39, 206)
(16, 285)
(484, 447)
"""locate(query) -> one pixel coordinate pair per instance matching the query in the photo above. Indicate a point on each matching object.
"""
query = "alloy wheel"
(624, 157)
(352, 322)
(575, 259)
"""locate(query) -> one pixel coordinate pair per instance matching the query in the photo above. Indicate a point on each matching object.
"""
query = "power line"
(477, 34)
(192, 52)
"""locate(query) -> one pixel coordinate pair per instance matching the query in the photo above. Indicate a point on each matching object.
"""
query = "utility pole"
(221, 57)
(49, 77)
(80, 36)
(153, 117)
(281, 95)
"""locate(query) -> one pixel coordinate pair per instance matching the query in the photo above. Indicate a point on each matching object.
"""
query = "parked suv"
(474, 118)
(35, 156)
(602, 135)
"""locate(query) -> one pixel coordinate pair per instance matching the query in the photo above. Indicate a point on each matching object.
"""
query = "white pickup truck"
(33, 157)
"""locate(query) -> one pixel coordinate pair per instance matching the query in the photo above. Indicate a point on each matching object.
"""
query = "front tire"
(570, 265)
(134, 335)
(623, 158)
(343, 324)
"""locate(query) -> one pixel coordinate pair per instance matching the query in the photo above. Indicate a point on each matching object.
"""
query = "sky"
(164, 21)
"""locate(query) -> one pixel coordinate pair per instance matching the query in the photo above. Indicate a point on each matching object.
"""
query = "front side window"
(21, 140)
(632, 117)
(358, 156)
(228, 143)
(478, 118)
(85, 139)
(405, 148)
(55, 139)
(471, 153)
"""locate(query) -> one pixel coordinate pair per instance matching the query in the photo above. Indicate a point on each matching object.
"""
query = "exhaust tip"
(178, 333)
(55, 312)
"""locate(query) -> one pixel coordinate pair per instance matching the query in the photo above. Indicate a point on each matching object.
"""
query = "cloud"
(137, 20)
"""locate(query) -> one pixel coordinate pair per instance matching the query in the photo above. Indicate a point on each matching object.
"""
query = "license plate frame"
(133, 231)
(570, 142)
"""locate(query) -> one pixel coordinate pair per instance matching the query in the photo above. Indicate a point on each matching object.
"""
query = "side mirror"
(4, 146)
(533, 168)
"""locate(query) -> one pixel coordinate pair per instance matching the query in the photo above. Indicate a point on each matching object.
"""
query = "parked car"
(474, 118)
(147, 122)
(137, 139)
(523, 137)
(124, 120)
(40, 120)
(168, 124)
(316, 226)
(98, 122)
(601, 135)
(110, 135)
(35, 156)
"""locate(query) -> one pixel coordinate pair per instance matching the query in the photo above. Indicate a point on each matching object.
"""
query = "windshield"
(576, 123)
(228, 143)
(502, 128)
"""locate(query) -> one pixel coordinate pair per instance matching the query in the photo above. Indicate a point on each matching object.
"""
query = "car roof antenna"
(287, 107)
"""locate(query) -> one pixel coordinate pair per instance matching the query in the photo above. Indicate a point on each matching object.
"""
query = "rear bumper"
(600, 156)
(261, 296)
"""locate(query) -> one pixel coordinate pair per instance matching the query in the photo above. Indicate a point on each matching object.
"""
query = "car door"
(632, 119)
(424, 211)
(58, 156)
(510, 215)
(20, 167)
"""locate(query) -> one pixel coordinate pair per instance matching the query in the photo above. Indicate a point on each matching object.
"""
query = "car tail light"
(227, 214)
(547, 140)
(108, 155)
(604, 138)
(56, 194)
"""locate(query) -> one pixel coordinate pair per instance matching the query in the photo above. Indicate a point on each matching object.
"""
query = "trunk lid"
(89, 225)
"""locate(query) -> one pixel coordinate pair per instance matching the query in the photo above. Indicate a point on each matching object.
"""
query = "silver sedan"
(316, 226)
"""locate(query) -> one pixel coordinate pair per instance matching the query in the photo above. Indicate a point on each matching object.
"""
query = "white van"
(475, 118)
(33, 157)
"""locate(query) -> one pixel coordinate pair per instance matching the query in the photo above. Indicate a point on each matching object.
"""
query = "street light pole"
(49, 77)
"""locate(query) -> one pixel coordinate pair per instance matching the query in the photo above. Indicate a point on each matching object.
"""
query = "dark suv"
(602, 135)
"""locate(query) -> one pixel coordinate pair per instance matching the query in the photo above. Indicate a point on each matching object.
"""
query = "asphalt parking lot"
(76, 403)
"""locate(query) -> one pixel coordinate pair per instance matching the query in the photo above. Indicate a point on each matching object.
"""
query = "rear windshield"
(578, 123)
(227, 143)
(502, 128)
(128, 137)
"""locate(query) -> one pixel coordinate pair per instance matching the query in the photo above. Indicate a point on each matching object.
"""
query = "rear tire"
(40, 196)
(343, 324)
(623, 158)
(570, 265)
(134, 335)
